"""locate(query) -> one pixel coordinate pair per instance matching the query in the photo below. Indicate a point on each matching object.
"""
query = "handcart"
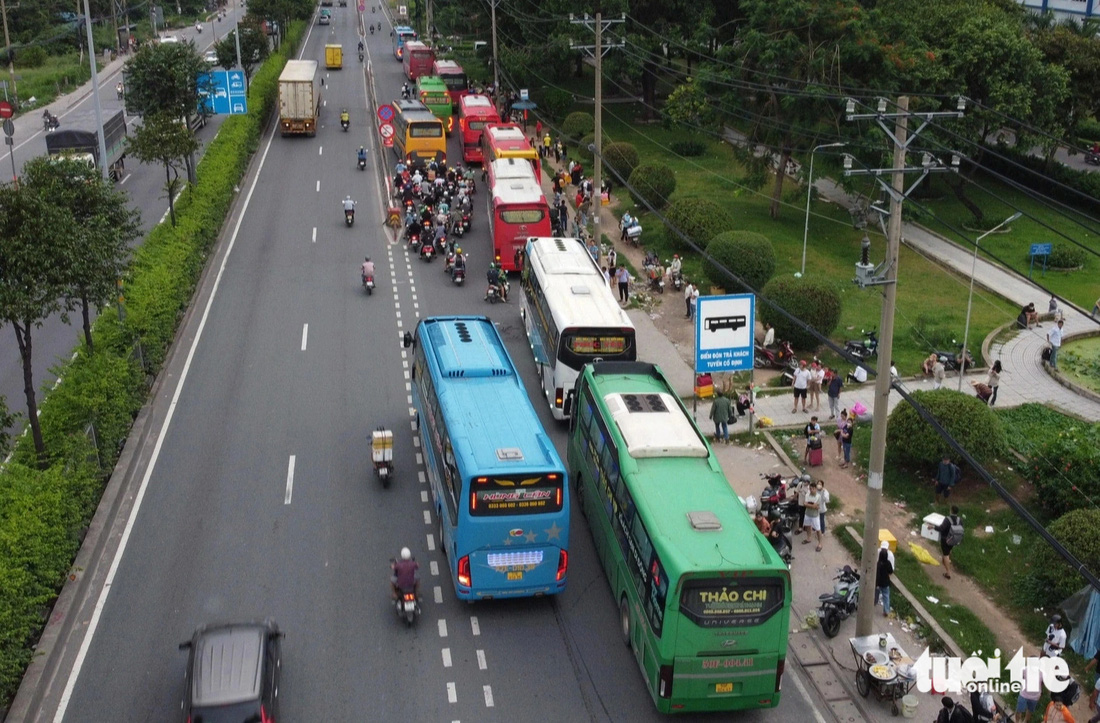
(381, 453)
(882, 667)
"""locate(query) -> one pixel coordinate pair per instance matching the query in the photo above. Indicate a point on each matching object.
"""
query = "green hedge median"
(43, 513)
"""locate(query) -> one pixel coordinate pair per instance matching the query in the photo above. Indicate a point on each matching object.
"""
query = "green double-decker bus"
(433, 93)
(704, 600)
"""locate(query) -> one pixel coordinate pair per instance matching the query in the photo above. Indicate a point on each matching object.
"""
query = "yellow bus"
(420, 137)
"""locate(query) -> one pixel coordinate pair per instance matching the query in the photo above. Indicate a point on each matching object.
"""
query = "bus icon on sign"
(717, 323)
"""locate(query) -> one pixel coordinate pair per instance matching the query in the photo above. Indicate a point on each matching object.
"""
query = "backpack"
(955, 535)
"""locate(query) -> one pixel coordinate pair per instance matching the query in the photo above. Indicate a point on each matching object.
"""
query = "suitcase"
(1046, 353)
(815, 456)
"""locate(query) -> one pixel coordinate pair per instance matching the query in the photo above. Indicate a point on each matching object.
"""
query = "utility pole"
(428, 29)
(496, 62)
(95, 93)
(886, 274)
(11, 55)
(597, 51)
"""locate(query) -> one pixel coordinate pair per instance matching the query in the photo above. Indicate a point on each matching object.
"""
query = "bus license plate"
(515, 576)
(723, 687)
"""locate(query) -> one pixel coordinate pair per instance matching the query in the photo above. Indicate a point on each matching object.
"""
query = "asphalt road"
(293, 368)
(55, 340)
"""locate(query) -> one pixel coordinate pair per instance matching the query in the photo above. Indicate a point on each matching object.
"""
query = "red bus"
(517, 211)
(474, 113)
(509, 169)
(418, 59)
(454, 77)
(506, 140)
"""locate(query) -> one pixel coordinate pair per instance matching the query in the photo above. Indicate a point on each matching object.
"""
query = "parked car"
(233, 673)
(211, 57)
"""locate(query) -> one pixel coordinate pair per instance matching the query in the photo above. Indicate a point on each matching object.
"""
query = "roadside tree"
(163, 79)
(166, 140)
(34, 258)
(105, 226)
(253, 48)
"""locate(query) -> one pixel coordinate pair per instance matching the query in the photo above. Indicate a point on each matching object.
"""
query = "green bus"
(433, 93)
(704, 600)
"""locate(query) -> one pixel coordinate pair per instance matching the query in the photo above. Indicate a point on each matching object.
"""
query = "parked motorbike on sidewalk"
(863, 349)
(952, 360)
(841, 603)
(777, 358)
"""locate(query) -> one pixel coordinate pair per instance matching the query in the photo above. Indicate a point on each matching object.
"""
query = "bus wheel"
(624, 620)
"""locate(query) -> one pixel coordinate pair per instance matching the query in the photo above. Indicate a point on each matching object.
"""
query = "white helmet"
(406, 554)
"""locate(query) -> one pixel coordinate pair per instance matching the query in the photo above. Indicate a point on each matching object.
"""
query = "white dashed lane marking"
(289, 481)
(305, 335)
(488, 696)
(442, 628)
(452, 694)
(446, 657)
(474, 625)
(481, 664)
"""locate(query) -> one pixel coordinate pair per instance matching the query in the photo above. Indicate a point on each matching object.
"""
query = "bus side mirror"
(407, 339)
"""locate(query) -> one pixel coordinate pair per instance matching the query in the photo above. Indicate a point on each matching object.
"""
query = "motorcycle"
(678, 280)
(841, 603)
(368, 284)
(458, 275)
(50, 122)
(951, 360)
(349, 216)
(360, 56)
(344, 123)
(406, 605)
(1093, 159)
(372, 30)
(414, 241)
(656, 281)
(198, 27)
(778, 358)
(863, 349)
(362, 164)
(427, 252)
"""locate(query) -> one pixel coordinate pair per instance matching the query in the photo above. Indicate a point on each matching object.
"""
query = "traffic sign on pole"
(724, 333)
(385, 112)
(387, 131)
(6, 109)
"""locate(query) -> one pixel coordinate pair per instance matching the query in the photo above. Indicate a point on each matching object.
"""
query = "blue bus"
(498, 486)
(400, 34)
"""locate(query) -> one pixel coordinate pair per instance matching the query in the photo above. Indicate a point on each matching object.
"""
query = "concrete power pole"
(7, 44)
(95, 94)
(496, 62)
(886, 274)
(597, 51)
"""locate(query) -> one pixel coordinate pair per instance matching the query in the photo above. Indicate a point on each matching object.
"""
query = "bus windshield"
(516, 494)
(455, 82)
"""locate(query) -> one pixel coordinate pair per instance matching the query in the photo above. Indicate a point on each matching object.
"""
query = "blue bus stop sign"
(724, 327)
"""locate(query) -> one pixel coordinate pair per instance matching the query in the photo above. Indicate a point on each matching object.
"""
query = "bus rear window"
(455, 82)
(434, 99)
(477, 125)
(521, 494)
(527, 215)
(580, 347)
(725, 603)
(425, 130)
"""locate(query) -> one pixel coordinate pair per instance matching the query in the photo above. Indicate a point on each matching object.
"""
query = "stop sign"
(6, 111)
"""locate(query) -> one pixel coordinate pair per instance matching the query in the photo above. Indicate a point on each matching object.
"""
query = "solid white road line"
(474, 625)
(305, 335)
(289, 481)
(818, 717)
(93, 623)
(125, 178)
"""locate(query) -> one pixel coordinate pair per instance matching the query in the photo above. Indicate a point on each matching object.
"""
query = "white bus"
(571, 317)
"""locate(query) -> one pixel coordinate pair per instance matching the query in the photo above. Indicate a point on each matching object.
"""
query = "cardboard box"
(889, 537)
(934, 519)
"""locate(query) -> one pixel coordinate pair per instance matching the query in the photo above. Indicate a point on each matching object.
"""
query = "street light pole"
(970, 300)
(809, 189)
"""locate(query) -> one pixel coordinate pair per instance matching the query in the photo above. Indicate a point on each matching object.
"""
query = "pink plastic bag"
(858, 409)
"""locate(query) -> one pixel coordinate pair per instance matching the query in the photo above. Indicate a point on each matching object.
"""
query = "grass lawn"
(931, 310)
(1080, 361)
(999, 203)
(59, 75)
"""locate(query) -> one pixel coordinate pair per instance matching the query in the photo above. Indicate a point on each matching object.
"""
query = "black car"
(233, 673)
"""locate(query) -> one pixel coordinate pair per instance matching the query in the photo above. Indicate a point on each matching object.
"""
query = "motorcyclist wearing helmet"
(406, 574)
(460, 260)
(349, 205)
(367, 269)
(674, 267)
(362, 155)
(345, 118)
(360, 46)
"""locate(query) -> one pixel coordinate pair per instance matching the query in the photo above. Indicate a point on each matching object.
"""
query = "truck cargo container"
(299, 98)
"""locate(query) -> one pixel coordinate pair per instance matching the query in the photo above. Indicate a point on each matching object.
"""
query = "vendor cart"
(381, 453)
(882, 667)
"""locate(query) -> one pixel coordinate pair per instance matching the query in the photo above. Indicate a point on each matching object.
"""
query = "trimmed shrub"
(814, 301)
(1066, 256)
(688, 148)
(582, 153)
(749, 255)
(577, 125)
(553, 102)
(622, 157)
(1049, 580)
(965, 417)
(700, 219)
(1063, 468)
(652, 184)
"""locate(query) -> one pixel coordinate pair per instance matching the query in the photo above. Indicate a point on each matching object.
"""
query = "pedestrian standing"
(801, 382)
(835, 385)
(606, 275)
(694, 300)
(947, 476)
(812, 430)
(938, 374)
(823, 504)
(951, 534)
(813, 516)
(1094, 662)
(817, 375)
(622, 276)
(994, 381)
(802, 492)
(1057, 712)
(839, 432)
(559, 151)
(1054, 336)
(883, 571)
(1055, 641)
(720, 415)
(688, 289)
(1028, 701)
(846, 435)
(546, 142)
(538, 129)
(612, 257)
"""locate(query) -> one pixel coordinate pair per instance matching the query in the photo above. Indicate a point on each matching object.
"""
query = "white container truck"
(299, 98)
